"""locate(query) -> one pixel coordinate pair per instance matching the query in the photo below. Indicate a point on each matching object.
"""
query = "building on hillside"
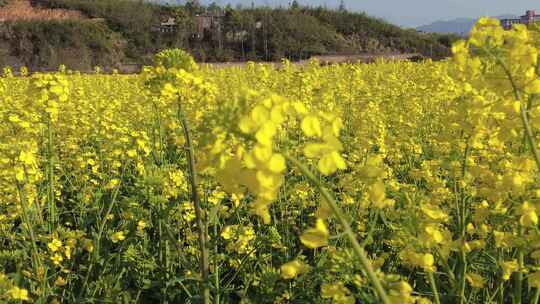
(237, 36)
(168, 26)
(530, 17)
(208, 24)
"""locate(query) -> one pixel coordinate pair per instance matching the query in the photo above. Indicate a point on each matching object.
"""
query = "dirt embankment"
(23, 10)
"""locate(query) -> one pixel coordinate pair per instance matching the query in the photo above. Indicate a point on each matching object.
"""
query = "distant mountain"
(460, 26)
(456, 26)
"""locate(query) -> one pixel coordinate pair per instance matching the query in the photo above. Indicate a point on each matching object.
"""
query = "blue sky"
(417, 12)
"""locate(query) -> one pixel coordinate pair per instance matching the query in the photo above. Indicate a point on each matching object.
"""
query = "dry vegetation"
(23, 10)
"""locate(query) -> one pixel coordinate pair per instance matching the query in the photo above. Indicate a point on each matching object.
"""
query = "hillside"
(109, 33)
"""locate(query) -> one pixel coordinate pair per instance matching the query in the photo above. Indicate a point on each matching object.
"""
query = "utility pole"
(265, 33)
(220, 34)
(253, 32)
(242, 37)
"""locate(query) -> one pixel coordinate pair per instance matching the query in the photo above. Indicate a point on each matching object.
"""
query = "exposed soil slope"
(23, 10)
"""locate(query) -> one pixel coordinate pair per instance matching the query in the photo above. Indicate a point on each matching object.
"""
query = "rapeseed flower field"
(391, 182)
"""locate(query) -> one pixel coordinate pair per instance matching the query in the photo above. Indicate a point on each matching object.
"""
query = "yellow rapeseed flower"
(292, 269)
(17, 293)
(316, 237)
(118, 236)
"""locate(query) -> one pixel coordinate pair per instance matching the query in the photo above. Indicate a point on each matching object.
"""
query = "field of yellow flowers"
(393, 182)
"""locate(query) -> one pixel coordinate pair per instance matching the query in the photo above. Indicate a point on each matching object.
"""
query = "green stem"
(39, 270)
(50, 177)
(161, 150)
(463, 276)
(462, 209)
(530, 136)
(434, 287)
(201, 225)
(523, 110)
(501, 293)
(529, 106)
(532, 143)
(358, 249)
(449, 272)
(162, 245)
(518, 279)
(536, 296)
(216, 269)
(29, 227)
(98, 238)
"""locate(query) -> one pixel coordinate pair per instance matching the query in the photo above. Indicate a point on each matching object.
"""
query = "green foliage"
(297, 35)
(77, 44)
(133, 19)
(371, 34)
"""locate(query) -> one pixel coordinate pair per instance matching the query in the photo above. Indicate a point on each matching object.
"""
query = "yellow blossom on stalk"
(292, 269)
(433, 234)
(528, 215)
(227, 233)
(328, 149)
(434, 213)
(475, 280)
(534, 279)
(311, 126)
(337, 292)
(460, 50)
(54, 245)
(264, 172)
(141, 225)
(276, 163)
(236, 199)
(51, 90)
(60, 281)
(67, 252)
(508, 268)
(400, 292)
(118, 236)
(377, 196)
(57, 259)
(88, 245)
(425, 261)
(17, 293)
(487, 31)
(316, 237)
(113, 183)
(27, 158)
(423, 301)
(533, 87)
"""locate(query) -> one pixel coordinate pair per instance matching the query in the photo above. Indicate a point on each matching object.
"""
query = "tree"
(193, 6)
(185, 26)
(295, 5)
(342, 7)
(214, 8)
